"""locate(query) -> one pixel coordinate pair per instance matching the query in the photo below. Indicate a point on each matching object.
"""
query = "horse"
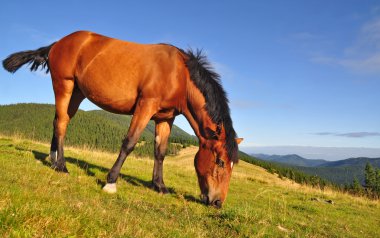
(151, 82)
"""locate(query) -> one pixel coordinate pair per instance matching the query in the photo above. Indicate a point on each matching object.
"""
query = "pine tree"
(370, 177)
(356, 187)
(377, 185)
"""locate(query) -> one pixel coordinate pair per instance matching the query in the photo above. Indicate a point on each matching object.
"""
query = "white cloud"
(369, 64)
(360, 134)
(375, 10)
(362, 56)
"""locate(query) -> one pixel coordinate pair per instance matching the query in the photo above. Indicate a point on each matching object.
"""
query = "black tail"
(36, 58)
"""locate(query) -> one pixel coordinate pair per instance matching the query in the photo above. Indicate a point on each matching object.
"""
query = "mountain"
(291, 159)
(95, 129)
(358, 162)
(315, 152)
(340, 172)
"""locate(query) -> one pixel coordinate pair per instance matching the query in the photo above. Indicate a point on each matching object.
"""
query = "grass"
(36, 201)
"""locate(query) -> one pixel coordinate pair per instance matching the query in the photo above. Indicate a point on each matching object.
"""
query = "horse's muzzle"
(215, 203)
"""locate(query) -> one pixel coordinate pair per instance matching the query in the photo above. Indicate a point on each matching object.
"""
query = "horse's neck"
(195, 112)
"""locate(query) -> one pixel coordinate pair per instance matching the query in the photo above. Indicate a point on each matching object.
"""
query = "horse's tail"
(36, 58)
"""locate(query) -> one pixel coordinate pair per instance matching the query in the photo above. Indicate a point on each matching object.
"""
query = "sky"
(297, 73)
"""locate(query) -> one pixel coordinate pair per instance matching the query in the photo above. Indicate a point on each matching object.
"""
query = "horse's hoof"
(110, 188)
(164, 190)
(61, 170)
(160, 189)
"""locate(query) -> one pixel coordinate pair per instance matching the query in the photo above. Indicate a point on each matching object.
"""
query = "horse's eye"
(219, 162)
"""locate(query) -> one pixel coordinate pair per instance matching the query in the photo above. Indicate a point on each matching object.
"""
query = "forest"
(371, 186)
(91, 129)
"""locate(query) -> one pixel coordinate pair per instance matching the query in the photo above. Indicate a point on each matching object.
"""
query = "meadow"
(36, 201)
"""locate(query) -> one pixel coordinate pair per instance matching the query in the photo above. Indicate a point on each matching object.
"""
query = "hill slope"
(95, 129)
(36, 201)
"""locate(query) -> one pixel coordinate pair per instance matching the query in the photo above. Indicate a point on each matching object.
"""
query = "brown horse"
(156, 81)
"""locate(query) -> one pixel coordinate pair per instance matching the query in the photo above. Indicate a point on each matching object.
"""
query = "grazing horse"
(150, 81)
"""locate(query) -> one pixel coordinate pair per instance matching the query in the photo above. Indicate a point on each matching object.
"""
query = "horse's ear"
(238, 140)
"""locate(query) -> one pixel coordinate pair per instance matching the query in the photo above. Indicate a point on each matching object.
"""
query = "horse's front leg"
(145, 109)
(163, 129)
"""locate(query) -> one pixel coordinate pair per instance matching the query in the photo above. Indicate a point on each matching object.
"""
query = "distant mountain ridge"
(291, 159)
(360, 161)
(339, 172)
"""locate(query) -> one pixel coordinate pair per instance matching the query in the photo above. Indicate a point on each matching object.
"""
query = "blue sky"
(300, 73)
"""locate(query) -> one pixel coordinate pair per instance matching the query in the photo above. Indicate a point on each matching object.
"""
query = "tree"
(377, 185)
(370, 176)
(357, 187)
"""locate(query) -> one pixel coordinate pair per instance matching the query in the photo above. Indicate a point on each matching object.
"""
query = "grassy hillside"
(94, 129)
(35, 201)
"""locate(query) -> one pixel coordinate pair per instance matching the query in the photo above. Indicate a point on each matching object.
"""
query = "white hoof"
(110, 188)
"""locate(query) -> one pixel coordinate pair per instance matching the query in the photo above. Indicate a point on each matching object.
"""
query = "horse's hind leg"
(163, 129)
(68, 98)
(145, 109)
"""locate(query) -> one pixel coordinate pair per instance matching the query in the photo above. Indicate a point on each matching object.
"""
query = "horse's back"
(113, 73)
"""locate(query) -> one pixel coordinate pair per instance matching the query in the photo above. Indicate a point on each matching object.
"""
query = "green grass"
(35, 201)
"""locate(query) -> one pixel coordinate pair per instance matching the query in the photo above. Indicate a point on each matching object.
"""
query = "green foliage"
(93, 129)
(377, 181)
(337, 175)
(370, 176)
(356, 187)
(372, 181)
(371, 188)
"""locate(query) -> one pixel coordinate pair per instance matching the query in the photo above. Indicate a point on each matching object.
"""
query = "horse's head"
(213, 165)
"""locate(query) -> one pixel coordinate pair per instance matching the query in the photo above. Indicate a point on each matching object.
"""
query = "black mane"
(208, 82)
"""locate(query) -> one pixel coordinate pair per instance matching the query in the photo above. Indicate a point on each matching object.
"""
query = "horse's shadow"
(88, 167)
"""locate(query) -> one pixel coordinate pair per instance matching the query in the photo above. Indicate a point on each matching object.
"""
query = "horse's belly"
(110, 97)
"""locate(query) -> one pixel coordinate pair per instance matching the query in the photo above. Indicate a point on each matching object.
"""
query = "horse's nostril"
(205, 199)
(217, 203)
